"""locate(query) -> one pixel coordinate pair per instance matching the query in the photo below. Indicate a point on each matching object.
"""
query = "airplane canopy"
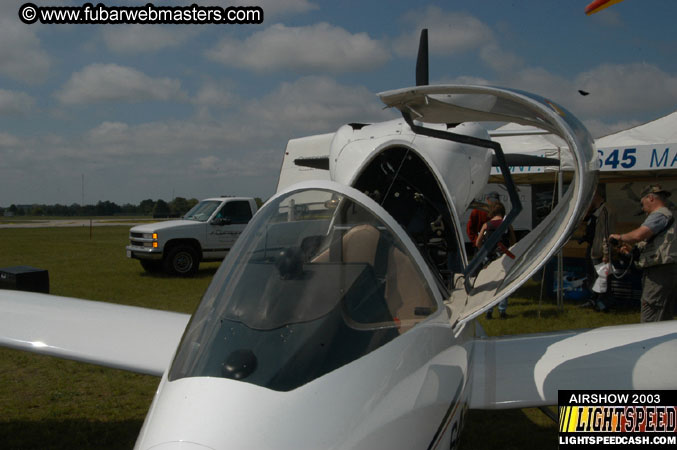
(321, 276)
(457, 104)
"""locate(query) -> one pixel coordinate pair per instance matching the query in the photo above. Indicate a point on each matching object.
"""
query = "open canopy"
(447, 104)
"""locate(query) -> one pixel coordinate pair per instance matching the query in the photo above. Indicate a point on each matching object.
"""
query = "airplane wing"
(118, 336)
(526, 371)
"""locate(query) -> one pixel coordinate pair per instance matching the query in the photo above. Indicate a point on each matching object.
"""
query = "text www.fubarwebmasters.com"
(148, 14)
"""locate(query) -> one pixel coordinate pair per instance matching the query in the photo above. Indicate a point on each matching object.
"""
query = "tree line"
(160, 208)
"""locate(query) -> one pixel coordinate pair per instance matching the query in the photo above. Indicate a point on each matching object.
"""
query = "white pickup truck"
(205, 233)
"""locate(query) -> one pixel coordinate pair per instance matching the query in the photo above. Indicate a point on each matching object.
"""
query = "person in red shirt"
(496, 216)
(479, 217)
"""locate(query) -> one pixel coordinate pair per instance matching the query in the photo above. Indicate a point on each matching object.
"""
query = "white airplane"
(343, 316)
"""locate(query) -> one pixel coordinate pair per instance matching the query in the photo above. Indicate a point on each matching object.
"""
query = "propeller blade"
(422, 60)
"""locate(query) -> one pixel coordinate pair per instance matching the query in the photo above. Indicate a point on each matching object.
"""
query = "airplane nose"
(179, 445)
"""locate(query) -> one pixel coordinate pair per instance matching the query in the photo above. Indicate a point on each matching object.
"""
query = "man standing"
(656, 239)
(601, 222)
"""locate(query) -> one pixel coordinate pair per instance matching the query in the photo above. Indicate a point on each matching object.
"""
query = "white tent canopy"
(651, 147)
(663, 130)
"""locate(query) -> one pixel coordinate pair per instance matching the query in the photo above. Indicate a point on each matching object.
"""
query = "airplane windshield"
(315, 282)
(202, 211)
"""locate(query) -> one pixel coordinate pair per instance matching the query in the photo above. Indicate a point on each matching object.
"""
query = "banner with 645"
(640, 157)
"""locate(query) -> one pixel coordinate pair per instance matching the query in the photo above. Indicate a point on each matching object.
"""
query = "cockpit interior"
(403, 184)
(316, 282)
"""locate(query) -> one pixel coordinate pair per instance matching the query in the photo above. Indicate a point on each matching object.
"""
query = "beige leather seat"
(404, 287)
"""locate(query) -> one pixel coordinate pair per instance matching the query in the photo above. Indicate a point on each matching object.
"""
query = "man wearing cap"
(656, 239)
(479, 217)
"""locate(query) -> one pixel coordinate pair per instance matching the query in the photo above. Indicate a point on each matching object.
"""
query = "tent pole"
(560, 255)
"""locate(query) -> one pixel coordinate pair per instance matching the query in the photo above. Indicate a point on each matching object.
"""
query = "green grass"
(51, 403)
(57, 404)
(97, 268)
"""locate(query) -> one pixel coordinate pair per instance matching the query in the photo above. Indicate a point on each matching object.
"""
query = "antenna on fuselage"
(422, 78)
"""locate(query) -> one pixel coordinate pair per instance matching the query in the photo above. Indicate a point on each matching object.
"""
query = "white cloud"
(236, 150)
(542, 82)
(109, 133)
(207, 164)
(454, 33)
(254, 166)
(13, 103)
(146, 38)
(171, 138)
(499, 59)
(451, 32)
(320, 48)
(614, 90)
(463, 79)
(9, 141)
(309, 105)
(98, 83)
(22, 56)
(316, 104)
(630, 88)
(599, 128)
(215, 93)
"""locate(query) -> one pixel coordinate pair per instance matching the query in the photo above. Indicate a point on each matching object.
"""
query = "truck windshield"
(202, 211)
(315, 282)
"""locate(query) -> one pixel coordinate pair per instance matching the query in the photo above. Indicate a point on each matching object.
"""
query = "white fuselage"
(411, 391)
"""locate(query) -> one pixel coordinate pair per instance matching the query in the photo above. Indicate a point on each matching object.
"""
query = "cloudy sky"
(156, 111)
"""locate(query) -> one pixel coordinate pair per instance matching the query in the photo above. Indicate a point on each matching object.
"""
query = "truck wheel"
(151, 266)
(181, 260)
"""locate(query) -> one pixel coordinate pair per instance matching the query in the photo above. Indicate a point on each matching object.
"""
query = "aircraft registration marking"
(451, 417)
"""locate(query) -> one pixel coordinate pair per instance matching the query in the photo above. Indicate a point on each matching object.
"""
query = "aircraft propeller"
(422, 60)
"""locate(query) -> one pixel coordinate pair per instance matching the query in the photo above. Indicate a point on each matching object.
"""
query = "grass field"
(46, 403)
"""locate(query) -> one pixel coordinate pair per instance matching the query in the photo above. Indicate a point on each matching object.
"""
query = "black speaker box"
(24, 278)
